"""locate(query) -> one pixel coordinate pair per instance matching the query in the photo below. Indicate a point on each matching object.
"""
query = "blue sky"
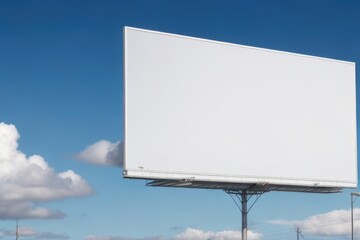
(61, 87)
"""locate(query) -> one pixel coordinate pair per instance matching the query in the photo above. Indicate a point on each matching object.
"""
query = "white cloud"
(31, 232)
(26, 181)
(336, 222)
(94, 237)
(103, 153)
(27, 231)
(196, 234)
(25, 209)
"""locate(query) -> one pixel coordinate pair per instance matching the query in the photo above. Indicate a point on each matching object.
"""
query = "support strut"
(244, 212)
(243, 197)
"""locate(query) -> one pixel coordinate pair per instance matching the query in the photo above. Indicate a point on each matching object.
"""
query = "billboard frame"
(196, 180)
(248, 186)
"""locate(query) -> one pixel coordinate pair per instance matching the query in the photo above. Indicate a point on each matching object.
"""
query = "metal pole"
(297, 233)
(17, 229)
(244, 213)
(242, 196)
(352, 217)
(353, 198)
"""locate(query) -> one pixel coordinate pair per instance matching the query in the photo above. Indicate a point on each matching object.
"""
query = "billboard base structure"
(241, 193)
(243, 197)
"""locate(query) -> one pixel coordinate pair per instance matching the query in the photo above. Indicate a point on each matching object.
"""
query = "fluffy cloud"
(30, 232)
(103, 153)
(196, 234)
(25, 209)
(26, 181)
(93, 237)
(332, 223)
(188, 234)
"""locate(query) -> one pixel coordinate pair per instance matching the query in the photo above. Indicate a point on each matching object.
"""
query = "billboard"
(208, 111)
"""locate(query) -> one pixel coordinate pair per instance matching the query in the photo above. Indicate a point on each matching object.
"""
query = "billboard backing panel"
(204, 110)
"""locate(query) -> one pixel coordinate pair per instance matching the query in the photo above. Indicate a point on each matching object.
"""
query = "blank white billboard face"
(213, 111)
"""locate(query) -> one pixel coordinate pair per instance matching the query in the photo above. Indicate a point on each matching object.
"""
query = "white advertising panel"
(211, 111)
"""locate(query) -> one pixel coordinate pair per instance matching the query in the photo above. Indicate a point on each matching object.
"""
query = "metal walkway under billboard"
(250, 187)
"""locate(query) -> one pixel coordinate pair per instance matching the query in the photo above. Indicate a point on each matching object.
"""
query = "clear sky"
(61, 81)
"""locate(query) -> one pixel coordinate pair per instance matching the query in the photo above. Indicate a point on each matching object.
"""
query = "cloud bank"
(31, 232)
(26, 181)
(188, 234)
(333, 223)
(94, 237)
(103, 153)
(196, 234)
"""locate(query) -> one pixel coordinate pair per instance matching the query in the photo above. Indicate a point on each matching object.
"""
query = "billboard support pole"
(243, 196)
(244, 212)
